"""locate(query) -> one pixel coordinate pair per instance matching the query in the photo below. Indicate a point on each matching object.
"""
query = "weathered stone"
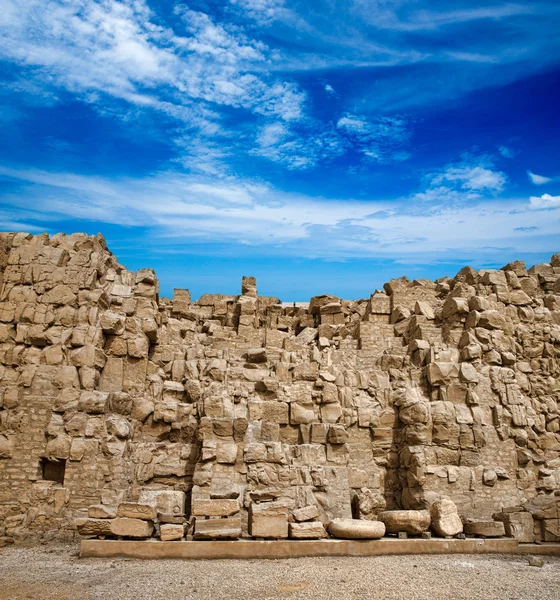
(131, 528)
(307, 513)
(411, 521)
(100, 511)
(217, 529)
(169, 532)
(518, 525)
(268, 520)
(488, 529)
(214, 508)
(94, 527)
(354, 529)
(136, 511)
(311, 530)
(445, 518)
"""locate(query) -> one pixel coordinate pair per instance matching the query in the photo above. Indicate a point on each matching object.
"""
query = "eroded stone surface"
(356, 529)
(110, 394)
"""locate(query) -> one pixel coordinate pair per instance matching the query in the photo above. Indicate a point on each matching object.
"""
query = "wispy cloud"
(383, 139)
(245, 212)
(538, 179)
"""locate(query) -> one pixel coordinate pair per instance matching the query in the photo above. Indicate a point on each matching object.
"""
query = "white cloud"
(382, 139)
(538, 179)
(297, 150)
(545, 201)
(472, 174)
(262, 11)
(236, 211)
(329, 88)
(95, 49)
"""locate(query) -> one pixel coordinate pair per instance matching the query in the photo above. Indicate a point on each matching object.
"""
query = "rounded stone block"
(356, 529)
(414, 522)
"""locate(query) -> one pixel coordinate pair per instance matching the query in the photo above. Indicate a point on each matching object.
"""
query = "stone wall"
(425, 390)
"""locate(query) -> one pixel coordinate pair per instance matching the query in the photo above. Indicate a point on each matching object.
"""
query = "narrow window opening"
(53, 470)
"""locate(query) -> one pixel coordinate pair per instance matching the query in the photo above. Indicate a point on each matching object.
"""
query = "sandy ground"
(56, 572)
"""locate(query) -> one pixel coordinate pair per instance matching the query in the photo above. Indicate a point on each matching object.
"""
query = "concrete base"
(292, 548)
(545, 549)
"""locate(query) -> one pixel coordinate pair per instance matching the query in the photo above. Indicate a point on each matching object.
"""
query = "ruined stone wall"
(427, 389)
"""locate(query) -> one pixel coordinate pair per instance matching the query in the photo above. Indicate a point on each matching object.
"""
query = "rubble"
(123, 412)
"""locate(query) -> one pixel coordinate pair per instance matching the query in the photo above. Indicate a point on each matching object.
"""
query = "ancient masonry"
(429, 405)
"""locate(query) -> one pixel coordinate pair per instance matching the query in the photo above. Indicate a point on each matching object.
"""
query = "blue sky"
(322, 146)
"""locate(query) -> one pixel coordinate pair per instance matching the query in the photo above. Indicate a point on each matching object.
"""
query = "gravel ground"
(56, 572)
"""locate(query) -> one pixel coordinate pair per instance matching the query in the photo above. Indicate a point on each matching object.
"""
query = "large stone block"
(217, 529)
(485, 529)
(268, 520)
(132, 528)
(214, 508)
(355, 529)
(169, 502)
(445, 518)
(169, 532)
(311, 530)
(133, 510)
(409, 521)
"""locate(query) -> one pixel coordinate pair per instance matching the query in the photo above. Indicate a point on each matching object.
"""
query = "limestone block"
(488, 529)
(169, 532)
(312, 530)
(355, 529)
(93, 402)
(218, 529)
(307, 335)
(133, 510)
(445, 518)
(101, 511)
(118, 426)
(441, 373)
(307, 513)
(301, 413)
(132, 528)
(112, 323)
(518, 525)
(97, 527)
(59, 447)
(337, 434)
(165, 501)
(414, 522)
(331, 413)
(214, 508)
(268, 520)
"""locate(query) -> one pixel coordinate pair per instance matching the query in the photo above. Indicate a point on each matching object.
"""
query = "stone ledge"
(545, 549)
(293, 549)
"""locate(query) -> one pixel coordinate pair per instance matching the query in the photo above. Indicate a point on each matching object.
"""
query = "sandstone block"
(214, 508)
(169, 532)
(165, 501)
(414, 522)
(97, 527)
(518, 525)
(100, 511)
(132, 528)
(311, 530)
(445, 518)
(217, 529)
(268, 520)
(488, 529)
(355, 529)
(136, 511)
(307, 513)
